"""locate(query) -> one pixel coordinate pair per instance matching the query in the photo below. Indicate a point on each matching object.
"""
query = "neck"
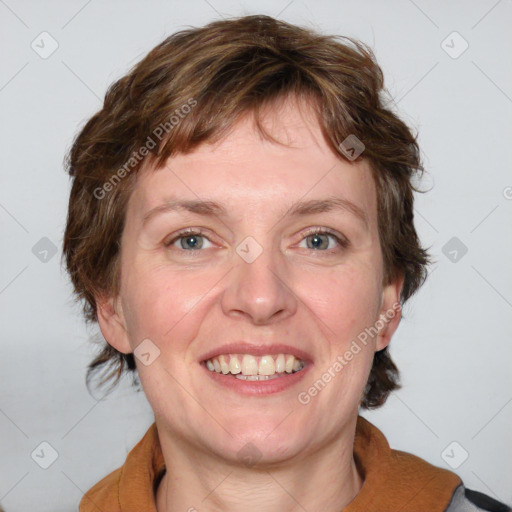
(326, 480)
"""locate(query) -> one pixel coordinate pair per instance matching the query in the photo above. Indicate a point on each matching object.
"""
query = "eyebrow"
(213, 209)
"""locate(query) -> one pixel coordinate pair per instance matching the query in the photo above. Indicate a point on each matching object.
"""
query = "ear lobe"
(390, 313)
(112, 323)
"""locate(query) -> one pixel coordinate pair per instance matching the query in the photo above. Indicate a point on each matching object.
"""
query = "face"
(271, 264)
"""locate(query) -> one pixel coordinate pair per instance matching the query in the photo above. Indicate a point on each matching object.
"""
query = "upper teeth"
(251, 365)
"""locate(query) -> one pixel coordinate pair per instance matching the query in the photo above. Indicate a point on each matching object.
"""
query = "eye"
(190, 239)
(319, 238)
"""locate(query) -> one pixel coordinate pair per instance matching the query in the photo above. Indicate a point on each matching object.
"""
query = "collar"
(393, 480)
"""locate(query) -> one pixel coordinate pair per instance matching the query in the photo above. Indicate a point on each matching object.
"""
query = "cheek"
(346, 301)
(162, 304)
(344, 304)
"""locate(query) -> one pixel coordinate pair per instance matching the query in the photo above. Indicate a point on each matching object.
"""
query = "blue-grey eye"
(320, 240)
(191, 242)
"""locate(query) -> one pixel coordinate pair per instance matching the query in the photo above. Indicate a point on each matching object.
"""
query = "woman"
(241, 227)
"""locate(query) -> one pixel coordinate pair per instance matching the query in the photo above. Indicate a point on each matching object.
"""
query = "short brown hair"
(220, 72)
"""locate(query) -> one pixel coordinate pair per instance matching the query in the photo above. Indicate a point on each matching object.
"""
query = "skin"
(293, 293)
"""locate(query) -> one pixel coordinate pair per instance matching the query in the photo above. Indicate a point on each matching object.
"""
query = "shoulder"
(461, 499)
(132, 484)
(399, 480)
(105, 492)
(467, 500)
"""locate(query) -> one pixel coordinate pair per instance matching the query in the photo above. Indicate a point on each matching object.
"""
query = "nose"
(260, 291)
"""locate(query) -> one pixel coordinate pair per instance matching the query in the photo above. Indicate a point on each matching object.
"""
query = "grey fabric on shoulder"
(467, 500)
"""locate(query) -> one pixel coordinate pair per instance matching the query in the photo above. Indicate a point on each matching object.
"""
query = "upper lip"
(257, 349)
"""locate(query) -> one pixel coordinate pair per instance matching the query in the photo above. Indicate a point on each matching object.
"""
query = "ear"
(390, 313)
(112, 323)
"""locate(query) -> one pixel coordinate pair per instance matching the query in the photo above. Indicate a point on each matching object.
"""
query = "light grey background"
(454, 347)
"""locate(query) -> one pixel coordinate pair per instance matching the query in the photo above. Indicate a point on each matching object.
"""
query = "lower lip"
(258, 387)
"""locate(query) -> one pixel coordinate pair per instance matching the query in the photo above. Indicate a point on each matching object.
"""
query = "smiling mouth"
(252, 368)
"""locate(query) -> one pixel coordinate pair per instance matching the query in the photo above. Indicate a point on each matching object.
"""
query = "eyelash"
(342, 241)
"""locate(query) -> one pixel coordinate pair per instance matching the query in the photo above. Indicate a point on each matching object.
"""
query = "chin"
(262, 441)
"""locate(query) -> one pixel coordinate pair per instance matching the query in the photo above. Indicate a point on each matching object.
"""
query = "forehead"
(248, 171)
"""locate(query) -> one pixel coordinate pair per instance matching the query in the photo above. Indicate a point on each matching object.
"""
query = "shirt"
(393, 481)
